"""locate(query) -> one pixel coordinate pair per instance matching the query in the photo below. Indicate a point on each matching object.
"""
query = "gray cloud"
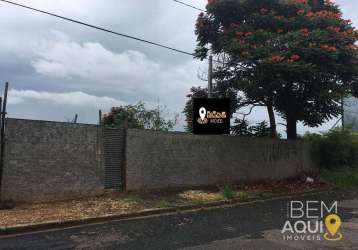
(77, 99)
(49, 62)
(47, 55)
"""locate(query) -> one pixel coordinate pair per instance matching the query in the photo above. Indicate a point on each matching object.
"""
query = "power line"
(99, 28)
(106, 30)
(188, 5)
(210, 71)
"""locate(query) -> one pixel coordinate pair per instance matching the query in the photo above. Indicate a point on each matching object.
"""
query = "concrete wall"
(54, 161)
(157, 160)
(51, 161)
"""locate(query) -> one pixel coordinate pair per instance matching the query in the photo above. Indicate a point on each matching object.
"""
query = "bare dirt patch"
(126, 203)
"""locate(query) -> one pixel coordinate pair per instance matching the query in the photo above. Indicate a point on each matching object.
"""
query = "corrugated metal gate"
(114, 158)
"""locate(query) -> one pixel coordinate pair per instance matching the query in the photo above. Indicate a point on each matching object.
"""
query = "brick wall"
(51, 161)
(157, 160)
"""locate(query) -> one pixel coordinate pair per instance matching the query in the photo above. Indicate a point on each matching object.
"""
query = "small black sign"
(211, 116)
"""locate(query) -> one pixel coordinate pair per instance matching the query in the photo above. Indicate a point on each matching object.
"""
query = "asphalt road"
(250, 226)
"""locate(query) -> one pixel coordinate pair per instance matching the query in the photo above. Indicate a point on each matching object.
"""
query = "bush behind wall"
(335, 149)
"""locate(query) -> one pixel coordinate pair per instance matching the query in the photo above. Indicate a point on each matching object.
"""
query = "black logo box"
(212, 104)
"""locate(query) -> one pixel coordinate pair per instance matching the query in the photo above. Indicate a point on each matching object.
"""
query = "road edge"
(8, 231)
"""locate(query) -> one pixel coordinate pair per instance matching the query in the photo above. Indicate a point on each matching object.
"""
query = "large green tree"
(138, 116)
(296, 56)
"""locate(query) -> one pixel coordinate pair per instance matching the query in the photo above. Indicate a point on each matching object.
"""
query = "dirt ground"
(124, 203)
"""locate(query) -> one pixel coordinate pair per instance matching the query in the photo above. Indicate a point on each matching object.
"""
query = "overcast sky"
(57, 69)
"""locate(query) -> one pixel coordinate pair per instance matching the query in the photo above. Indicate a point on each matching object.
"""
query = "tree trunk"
(273, 131)
(291, 127)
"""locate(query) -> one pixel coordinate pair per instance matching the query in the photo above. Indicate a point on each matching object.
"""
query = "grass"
(199, 202)
(132, 200)
(265, 195)
(244, 196)
(343, 178)
(165, 204)
(280, 190)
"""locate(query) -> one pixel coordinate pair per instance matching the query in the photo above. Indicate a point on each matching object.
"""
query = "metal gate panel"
(114, 158)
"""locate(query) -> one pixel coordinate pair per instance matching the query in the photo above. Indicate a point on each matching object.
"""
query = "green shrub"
(228, 192)
(343, 178)
(335, 149)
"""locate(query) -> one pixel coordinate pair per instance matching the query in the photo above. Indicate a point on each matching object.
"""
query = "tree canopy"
(299, 56)
(138, 116)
